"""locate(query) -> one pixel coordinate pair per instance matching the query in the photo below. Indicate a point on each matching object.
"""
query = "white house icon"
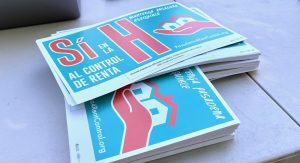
(157, 110)
(178, 23)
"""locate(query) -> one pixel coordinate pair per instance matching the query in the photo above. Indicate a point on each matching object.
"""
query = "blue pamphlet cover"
(106, 56)
(146, 116)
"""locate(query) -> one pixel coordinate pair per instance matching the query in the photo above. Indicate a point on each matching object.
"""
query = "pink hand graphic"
(136, 117)
(188, 28)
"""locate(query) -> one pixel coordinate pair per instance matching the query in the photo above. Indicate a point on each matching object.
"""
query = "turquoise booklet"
(106, 56)
(144, 120)
(238, 55)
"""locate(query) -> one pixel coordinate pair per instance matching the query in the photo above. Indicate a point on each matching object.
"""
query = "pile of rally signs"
(134, 85)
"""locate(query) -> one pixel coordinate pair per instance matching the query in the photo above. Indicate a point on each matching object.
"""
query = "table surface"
(32, 115)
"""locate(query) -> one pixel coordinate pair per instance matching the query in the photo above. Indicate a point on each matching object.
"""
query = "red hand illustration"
(188, 28)
(136, 117)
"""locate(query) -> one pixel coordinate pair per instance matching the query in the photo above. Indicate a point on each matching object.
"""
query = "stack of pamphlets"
(230, 60)
(131, 89)
(151, 119)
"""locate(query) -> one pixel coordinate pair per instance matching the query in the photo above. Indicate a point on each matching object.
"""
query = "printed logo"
(141, 107)
(183, 25)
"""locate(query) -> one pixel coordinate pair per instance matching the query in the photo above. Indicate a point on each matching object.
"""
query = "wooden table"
(32, 116)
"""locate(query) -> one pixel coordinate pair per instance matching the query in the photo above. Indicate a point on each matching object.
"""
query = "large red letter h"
(126, 41)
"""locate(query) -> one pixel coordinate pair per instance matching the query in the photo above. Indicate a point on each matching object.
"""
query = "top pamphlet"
(103, 57)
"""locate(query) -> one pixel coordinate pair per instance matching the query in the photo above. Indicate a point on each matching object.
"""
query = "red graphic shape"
(136, 117)
(166, 99)
(88, 50)
(126, 41)
(76, 55)
(188, 28)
